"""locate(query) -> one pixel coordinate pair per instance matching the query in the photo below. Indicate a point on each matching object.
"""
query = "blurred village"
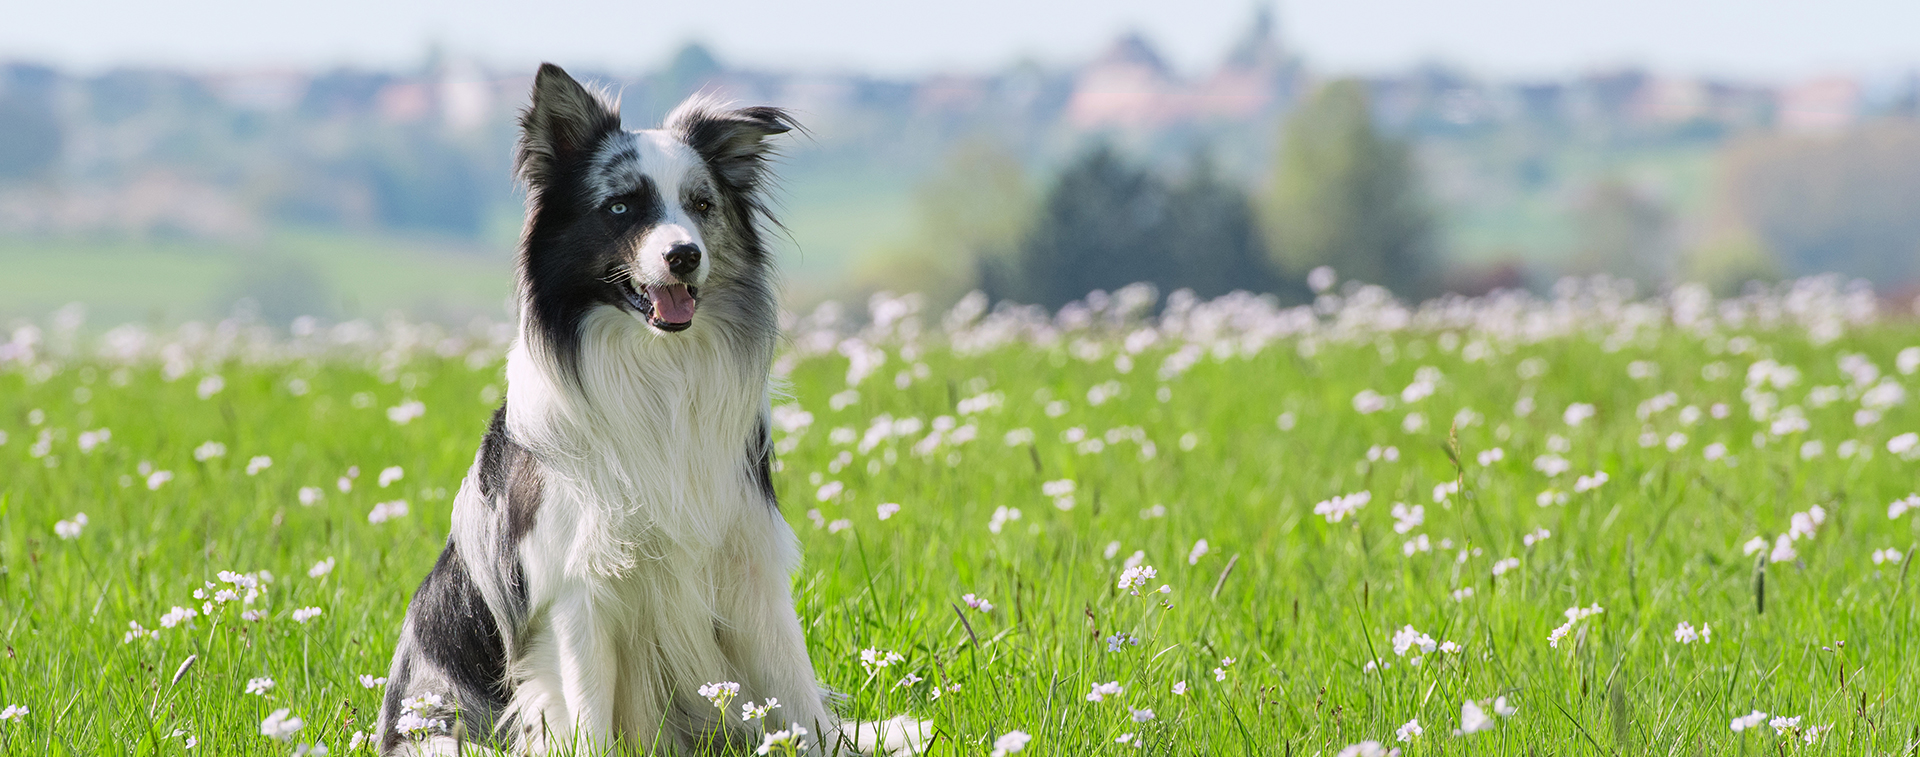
(163, 195)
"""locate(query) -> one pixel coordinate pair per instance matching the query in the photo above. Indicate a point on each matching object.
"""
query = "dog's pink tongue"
(672, 303)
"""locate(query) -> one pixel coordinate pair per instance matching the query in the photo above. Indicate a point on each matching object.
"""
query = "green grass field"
(1233, 425)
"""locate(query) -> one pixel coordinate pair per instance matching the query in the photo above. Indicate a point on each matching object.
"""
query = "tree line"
(1341, 194)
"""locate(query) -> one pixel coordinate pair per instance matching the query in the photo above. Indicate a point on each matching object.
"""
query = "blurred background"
(164, 162)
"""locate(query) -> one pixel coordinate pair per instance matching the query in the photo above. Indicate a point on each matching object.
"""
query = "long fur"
(616, 543)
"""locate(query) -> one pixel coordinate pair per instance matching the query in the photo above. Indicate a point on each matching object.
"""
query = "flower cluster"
(417, 715)
(1685, 633)
(1802, 525)
(874, 660)
(1338, 508)
(720, 693)
(1574, 615)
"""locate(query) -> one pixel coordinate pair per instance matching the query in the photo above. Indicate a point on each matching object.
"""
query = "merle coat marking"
(616, 543)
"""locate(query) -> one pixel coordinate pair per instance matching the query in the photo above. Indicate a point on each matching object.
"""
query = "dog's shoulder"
(508, 476)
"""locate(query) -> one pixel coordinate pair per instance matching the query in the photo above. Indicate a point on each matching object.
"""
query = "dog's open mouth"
(667, 307)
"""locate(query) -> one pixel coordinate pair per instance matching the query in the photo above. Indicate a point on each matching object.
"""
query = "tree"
(1212, 238)
(1345, 196)
(1088, 236)
(970, 215)
(1843, 202)
(1106, 224)
(31, 136)
(1624, 233)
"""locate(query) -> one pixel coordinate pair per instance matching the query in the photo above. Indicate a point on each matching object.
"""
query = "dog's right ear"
(563, 124)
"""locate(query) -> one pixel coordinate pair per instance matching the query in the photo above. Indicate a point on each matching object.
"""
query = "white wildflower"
(1578, 413)
(1101, 691)
(1408, 638)
(1338, 508)
(1783, 550)
(1589, 483)
(1366, 749)
(1552, 465)
(1473, 719)
(386, 511)
(1010, 742)
(1135, 577)
(1748, 721)
(751, 711)
(720, 693)
(176, 616)
(70, 529)
(280, 725)
(1574, 615)
(405, 412)
(1000, 517)
(874, 659)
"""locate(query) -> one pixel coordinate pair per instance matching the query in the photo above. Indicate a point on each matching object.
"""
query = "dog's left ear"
(733, 142)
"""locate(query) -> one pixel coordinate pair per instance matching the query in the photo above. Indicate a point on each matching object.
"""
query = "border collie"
(616, 544)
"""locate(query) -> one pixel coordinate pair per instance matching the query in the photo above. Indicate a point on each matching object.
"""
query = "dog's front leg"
(589, 671)
(761, 633)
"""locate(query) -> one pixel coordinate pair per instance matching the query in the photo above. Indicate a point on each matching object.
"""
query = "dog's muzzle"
(667, 307)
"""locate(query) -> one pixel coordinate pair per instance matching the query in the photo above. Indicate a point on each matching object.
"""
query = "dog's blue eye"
(617, 208)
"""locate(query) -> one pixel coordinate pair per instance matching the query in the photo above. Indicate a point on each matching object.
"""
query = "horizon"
(1774, 40)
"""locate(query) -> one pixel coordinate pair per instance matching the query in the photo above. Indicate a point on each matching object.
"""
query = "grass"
(167, 282)
(1301, 604)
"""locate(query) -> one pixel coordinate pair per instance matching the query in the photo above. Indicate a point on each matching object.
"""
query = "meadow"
(1577, 524)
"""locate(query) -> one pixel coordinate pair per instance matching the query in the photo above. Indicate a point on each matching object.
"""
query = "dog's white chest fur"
(646, 457)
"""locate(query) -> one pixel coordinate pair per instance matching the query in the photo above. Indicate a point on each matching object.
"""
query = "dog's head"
(659, 223)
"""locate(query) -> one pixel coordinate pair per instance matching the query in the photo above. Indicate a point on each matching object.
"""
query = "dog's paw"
(894, 737)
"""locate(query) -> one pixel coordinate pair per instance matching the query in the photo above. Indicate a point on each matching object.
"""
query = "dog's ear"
(563, 123)
(732, 142)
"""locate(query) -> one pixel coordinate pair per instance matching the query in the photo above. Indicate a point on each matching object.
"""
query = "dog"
(616, 544)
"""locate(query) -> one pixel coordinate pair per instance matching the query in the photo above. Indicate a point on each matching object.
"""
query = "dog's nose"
(683, 259)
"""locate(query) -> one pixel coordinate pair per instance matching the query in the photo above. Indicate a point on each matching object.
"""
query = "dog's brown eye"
(702, 206)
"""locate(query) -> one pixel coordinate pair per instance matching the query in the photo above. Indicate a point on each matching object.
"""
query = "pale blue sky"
(1748, 38)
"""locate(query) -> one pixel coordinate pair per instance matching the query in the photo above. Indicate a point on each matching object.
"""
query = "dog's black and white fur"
(616, 543)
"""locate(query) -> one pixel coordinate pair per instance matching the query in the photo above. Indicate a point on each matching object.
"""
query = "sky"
(1771, 39)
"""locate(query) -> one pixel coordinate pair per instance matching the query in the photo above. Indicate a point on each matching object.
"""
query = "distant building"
(1820, 105)
(1129, 86)
(1257, 79)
